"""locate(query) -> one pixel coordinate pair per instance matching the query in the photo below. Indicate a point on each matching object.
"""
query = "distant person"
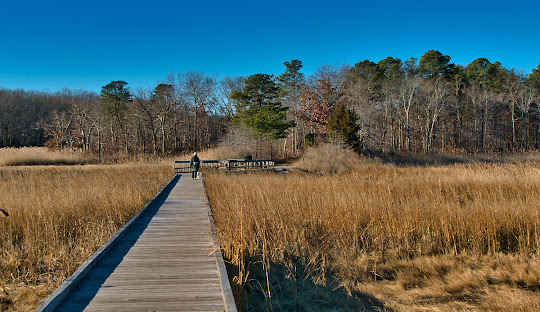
(194, 163)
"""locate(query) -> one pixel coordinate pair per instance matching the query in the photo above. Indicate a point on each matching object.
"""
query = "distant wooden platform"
(167, 260)
(227, 164)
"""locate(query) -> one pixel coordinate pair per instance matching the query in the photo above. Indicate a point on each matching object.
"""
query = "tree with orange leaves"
(318, 101)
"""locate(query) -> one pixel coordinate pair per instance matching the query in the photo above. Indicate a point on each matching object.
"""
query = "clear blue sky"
(55, 44)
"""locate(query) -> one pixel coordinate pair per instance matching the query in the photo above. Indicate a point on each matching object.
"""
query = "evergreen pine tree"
(258, 108)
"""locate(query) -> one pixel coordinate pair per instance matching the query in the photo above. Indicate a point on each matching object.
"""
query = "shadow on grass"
(295, 288)
(48, 162)
(414, 159)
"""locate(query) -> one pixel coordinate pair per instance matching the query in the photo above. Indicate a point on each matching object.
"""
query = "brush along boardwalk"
(165, 259)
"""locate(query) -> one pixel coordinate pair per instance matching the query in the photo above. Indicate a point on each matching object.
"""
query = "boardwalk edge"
(63, 290)
(228, 298)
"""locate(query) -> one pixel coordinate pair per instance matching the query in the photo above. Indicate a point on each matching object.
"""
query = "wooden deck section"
(168, 260)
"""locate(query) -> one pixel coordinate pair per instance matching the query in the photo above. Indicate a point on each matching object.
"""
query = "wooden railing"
(229, 165)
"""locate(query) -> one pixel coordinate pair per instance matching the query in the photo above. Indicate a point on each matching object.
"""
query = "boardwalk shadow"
(296, 288)
(86, 290)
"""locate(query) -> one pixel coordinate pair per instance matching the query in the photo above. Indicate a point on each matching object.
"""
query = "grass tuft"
(330, 159)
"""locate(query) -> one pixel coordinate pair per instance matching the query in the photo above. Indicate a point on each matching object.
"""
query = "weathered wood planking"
(166, 261)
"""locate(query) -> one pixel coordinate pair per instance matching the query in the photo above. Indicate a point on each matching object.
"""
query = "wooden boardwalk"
(167, 260)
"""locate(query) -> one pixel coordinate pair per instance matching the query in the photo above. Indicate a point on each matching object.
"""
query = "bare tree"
(407, 90)
(198, 93)
(164, 101)
(59, 128)
(479, 100)
(524, 100)
(435, 93)
(513, 86)
(224, 89)
(147, 114)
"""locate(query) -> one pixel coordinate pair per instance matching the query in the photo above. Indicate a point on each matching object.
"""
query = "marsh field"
(61, 213)
(378, 237)
(359, 234)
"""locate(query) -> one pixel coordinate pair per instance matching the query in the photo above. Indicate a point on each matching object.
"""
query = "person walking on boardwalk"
(194, 163)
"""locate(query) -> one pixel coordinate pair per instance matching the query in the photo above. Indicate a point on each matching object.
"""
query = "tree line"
(418, 105)
(435, 105)
(189, 111)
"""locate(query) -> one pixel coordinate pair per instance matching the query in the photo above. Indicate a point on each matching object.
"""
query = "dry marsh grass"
(35, 156)
(329, 159)
(450, 238)
(58, 216)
